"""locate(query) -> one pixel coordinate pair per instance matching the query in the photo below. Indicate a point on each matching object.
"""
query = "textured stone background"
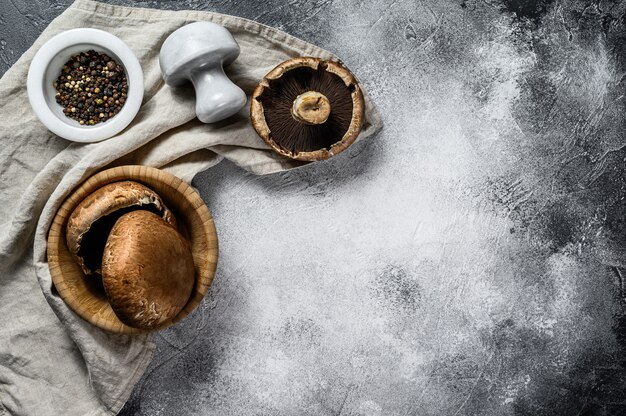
(468, 260)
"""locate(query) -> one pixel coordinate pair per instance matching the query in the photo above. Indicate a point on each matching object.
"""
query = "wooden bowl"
(85, 294)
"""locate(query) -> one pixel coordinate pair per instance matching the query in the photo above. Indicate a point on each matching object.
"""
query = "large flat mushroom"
(147, 270)
(91, 221)
(308, 108)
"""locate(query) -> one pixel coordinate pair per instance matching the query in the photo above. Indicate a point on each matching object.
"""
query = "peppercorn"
(91, 78)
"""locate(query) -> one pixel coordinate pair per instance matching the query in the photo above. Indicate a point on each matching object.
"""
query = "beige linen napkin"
(51, 361)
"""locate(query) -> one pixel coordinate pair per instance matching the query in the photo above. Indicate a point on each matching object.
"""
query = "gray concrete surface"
(468, 260)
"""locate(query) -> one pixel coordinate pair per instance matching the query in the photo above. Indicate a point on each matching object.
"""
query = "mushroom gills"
(94, 240)
(299, 136)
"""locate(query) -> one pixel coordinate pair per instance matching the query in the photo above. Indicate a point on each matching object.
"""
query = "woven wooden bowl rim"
(189, 209)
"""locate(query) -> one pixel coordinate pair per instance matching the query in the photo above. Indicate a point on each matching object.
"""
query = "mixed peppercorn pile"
(91, 88)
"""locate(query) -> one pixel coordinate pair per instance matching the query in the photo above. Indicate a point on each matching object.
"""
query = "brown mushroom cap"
(89, 224)
(311, 132)
(147, 270)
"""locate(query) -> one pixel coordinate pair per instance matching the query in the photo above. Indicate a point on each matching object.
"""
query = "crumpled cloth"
(51, 361)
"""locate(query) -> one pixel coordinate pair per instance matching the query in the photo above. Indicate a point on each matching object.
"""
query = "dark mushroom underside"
(294, 136)
(94, 240)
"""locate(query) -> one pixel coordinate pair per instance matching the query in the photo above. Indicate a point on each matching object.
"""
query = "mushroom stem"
(311, 107)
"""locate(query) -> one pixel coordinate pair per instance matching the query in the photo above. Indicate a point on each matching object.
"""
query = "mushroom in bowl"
(91, 221)
(139, 291)
(147, 270)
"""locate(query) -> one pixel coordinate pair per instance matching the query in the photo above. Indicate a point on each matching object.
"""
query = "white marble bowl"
(46, 67)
